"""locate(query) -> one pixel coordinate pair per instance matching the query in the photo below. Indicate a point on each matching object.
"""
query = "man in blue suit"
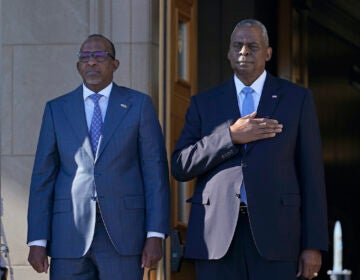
(259, 208)
(99, 194)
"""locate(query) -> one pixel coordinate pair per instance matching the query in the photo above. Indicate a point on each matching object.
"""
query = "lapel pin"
(274, 96)
(123, 105)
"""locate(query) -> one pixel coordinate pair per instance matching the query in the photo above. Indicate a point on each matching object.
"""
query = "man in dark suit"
(99, 194)
(259, 209)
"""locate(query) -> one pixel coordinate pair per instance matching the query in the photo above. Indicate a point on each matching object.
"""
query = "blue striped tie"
(96, 123)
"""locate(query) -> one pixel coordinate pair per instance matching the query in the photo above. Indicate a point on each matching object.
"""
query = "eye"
(99, 56)
(84, 56)
(253, 47)
(237, 46)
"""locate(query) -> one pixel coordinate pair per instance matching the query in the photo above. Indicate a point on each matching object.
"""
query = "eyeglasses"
(99, 56)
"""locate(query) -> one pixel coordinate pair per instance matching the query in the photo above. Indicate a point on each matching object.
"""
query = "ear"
(268, 54)
(116, 64)
(78, 66)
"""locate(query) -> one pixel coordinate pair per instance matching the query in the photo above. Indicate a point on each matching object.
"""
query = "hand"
(309, 264)
(248, 129)
(152, 252)
(38, 258)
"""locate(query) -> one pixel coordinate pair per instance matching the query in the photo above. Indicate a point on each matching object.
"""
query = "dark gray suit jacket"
(130, 174)
(283, 175)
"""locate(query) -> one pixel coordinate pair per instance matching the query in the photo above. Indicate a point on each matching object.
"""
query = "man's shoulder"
(216, 90)
(130, 92)
(66, 96)
(284, 83)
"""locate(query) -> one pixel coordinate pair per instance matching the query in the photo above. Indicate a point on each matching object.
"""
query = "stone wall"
(39, 43)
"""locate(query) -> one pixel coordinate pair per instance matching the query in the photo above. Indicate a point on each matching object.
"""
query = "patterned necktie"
(247, 108)
(96, 122)
(248, 102)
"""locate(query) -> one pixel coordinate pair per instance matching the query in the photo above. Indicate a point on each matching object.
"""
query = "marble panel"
(140, 67)
(27, 273)
(121, 21)
(15, 182)
(41, 21)
(154, 76)
(6, 100)
(40, 74)
(123, 75)
(141, 24)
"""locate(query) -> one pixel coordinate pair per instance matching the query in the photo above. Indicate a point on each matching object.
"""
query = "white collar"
(105, 91)
(257, 85)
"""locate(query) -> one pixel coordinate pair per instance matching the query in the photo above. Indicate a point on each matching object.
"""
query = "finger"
(46, 265)
(147, 262)
(143, 260)
(266, 127)
(250, 116)
(309, 273)
(270, 121)
(35, 265)
(300, 269)
(266, 130)
(38, 267)
(269, 135)
(267, 124)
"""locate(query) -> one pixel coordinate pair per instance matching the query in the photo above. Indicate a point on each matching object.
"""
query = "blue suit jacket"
(283, 175)
(130, 175)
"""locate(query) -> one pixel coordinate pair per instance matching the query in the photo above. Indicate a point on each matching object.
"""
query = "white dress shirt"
(257, 86)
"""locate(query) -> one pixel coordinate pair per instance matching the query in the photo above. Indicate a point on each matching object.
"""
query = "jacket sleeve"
(311, 177)
(154, 167)
(45, 170)
(196, 151)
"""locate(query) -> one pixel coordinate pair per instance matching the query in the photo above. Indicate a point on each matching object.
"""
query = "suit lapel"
(227, 102)
(118, 106)
(74, 110)
(269, 100)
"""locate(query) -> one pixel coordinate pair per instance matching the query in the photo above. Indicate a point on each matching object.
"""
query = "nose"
(92, 60)
(244, 50)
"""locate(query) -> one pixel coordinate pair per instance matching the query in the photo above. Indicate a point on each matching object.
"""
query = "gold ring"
(316, 274)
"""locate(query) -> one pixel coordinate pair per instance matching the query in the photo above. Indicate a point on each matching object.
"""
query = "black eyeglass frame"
(96, 55)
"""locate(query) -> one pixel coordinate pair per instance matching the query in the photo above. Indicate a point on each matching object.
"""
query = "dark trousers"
(101, 262)
(243, 262)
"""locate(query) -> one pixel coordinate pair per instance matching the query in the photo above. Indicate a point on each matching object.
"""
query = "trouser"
(243, 262)
(101, 262)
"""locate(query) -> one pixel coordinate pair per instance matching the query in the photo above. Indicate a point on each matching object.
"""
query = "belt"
(243, 208)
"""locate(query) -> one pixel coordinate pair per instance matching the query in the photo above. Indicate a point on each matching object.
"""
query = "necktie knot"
(248, 102)
(247, 90)
(95, 97)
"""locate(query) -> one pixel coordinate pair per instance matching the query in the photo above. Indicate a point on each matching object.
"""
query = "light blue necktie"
(96, 122)
(248, 102)
(246, 109)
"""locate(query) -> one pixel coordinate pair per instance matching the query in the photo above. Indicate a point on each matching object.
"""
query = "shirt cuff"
(41, 242)
(155, 234)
